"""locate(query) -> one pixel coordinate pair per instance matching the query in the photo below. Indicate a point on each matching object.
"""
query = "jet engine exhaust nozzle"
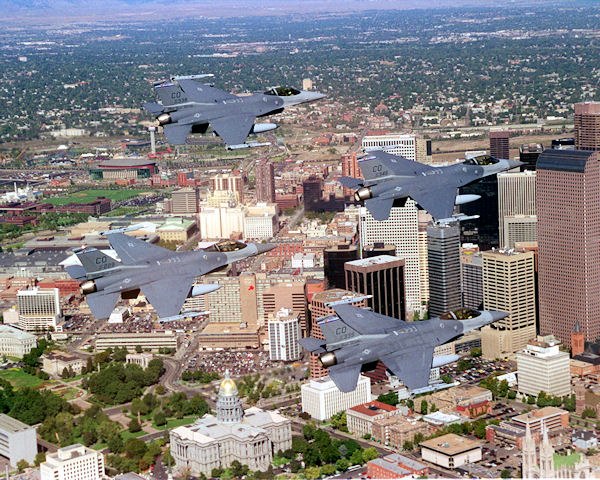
(362, 194)
(88, 287)
(328, 359)
(164, 119)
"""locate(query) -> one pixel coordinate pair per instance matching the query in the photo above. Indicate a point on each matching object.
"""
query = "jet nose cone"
(264, 247)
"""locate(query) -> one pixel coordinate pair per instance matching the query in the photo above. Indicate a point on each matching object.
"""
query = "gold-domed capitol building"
(251, 437)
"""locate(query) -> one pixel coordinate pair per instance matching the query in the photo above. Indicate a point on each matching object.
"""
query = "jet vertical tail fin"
(336, 330)
(170, 93)
(94, 261)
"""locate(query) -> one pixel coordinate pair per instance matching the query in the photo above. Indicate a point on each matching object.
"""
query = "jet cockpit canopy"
(282, 91)
(481, 160)
(226, 246)
(460, 314)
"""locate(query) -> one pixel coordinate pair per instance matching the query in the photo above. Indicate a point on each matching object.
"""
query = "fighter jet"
(390, 177)
(355, 339)
(165, 277)
(189, 106)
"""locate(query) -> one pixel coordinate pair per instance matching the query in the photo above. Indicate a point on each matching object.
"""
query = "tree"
(569, 403)
(309, 431)
(407, 445)
(22, 465)
(40, 457)
(138, 349)
(475, 352)
(135, 448)
(370, 454)
(588, 412)
(424, 407)
(446, 378)
(506, 473)
(391, 398)
(160, 418)
(342, 465)
(312, 473)
(356, 458)
(134, 425)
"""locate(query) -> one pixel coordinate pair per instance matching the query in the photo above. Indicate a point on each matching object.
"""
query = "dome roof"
(228, 386)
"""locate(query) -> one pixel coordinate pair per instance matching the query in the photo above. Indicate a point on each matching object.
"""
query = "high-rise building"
(402, 230)
(265, 181)
(74, 462)
(406, 145)
(350, 168)
(320, 306)
(286, 295)
(471, 275)
(17, 440)
(443, 252)
(509, 286)
(568, 209)
(228, 183)
(382, 278)
(39, 309)
(424, 221)
(542, 367)
(517, 208)
(284, 334)
(528, 154)
(185, 201)
(321, 399)
(312, 189)
(334, 259)
(587, 126)
(499, 144)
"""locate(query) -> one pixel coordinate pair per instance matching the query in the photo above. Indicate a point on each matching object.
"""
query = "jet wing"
(366, 322)
(132, 250)
(379, 207)
(203, 93)
(234, 129)
(379, 164)
(413, 367)
(345, 377)
(439, 203)
(177, 134)
(167, 295)
(102, 304)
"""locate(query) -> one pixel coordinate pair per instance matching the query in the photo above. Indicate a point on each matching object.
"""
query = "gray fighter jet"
(355, 339)
(165, 277)
(190, 106)
(390, 177)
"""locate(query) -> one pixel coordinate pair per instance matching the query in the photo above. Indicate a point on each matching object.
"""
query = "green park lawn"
(18, 378)
(176, 422)
(84, 196)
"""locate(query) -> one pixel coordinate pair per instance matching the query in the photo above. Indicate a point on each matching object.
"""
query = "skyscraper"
(587, 126)
(334, 259)
(227, 183)
(443, 252)
(312, 189)
(407, 145)
(509, 286)
(516, 207)
(568, 208)
(402, 230)
(265, 181)
(382, 277)
(471, 275)
(499, 145)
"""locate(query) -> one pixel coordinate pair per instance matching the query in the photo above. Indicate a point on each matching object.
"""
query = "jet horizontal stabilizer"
(350, 182)
(313, 345)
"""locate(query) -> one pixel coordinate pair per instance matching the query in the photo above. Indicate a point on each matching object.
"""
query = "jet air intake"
(363, 194)
(263, 127)
(462, 199)
(88, 287)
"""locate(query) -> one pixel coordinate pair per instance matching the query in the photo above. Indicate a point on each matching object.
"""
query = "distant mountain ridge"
(86, 10)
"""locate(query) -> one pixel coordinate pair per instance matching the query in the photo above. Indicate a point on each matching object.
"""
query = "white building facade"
(284, 334)
(321, 399)
(74, 462)
(39, 309)
(18, 440)
(15, 342)
(402, 230)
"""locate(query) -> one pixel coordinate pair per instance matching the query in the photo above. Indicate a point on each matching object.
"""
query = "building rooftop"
(373, 408)
(563, 160)
(378, 260)
(451, 444)
(337, 295)
(12, 425)
(538, 414)
(7, 330)
(127, 162)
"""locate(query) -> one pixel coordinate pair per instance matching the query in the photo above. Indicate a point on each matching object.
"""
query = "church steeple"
(529, 465)
(229, 405)
(577, 340)
(546, 454)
